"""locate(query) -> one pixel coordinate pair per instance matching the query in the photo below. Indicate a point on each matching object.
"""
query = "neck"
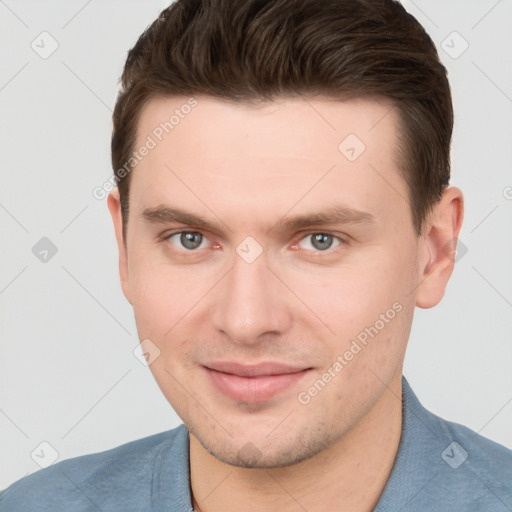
(350, 475)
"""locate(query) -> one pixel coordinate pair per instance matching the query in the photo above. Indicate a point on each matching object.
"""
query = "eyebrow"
(338, 214)
(335, 215)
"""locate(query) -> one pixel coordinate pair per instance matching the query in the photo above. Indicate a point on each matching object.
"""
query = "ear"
(437, 247)
(114, 205)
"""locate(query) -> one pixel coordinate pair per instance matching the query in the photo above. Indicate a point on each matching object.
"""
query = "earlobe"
(114, 206)
(437, 248)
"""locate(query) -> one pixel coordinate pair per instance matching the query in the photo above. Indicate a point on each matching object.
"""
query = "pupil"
(322, 241)
(187, 239)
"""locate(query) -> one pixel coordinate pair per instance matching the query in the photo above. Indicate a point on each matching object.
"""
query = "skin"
(247, 167)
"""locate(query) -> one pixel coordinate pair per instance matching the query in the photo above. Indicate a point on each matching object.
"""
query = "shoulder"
(459, 468)
(474, 465)
(122, 475)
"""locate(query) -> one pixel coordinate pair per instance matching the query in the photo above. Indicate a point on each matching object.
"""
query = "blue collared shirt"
(440, 466)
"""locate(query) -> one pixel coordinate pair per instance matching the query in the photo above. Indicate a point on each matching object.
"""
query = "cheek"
(356, 293)
(155, 295)
(168, 304)
(365, 301)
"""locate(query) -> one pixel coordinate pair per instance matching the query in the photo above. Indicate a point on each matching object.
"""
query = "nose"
(251, 304)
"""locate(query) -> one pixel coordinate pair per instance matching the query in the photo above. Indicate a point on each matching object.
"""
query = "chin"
(246, 452)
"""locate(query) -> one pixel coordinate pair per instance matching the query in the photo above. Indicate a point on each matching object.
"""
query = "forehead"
(242, 157)
(283, 123)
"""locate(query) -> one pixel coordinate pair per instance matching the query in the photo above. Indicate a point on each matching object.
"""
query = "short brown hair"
(249, 50)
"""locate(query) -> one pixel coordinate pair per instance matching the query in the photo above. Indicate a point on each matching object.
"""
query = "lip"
(253, 383)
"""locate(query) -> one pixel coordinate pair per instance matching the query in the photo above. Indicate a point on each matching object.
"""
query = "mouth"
(253, 383)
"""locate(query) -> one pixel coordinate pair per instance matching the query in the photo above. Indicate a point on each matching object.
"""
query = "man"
(282, 208)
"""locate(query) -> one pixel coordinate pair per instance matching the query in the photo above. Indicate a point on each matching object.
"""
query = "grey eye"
(320, 241)
(188, 239)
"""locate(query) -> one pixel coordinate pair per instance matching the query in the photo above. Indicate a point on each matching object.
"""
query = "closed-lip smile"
(253, 383)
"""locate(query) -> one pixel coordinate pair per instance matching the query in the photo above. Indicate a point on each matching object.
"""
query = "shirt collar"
(418, 461)
(414, 467)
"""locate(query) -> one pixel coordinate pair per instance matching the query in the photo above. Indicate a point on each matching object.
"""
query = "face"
(271, 262)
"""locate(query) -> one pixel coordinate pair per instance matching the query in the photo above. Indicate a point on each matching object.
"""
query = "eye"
(319, 241)
(189, 240)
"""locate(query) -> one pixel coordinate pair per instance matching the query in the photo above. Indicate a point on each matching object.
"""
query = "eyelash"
(330, 250)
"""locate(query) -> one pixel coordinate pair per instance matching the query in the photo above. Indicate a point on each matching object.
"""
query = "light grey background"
(69, 377)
